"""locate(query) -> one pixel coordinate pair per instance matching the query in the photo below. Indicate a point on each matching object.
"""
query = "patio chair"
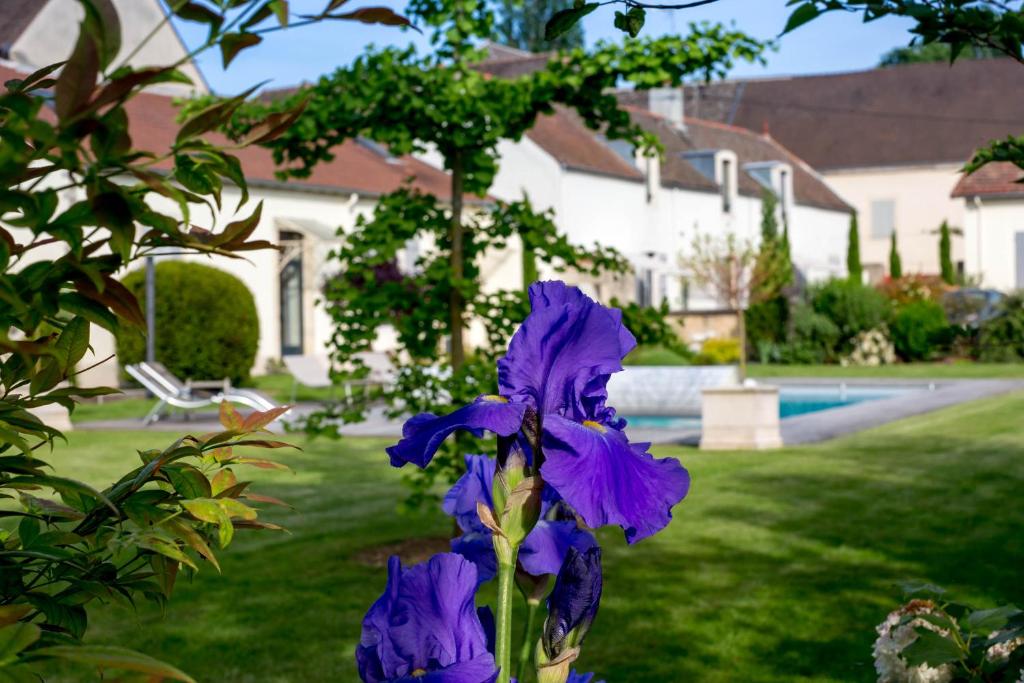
(172, 392)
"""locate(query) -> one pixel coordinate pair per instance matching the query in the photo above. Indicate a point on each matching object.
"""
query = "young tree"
(521, 23)
(445, 103)
(854, 269)
(945, 255)
(730, 270)
(895, 263)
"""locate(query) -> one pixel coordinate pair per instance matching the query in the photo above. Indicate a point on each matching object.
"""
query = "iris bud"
(573, 602)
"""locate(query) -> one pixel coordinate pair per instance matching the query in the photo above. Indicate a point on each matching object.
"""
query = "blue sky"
(837, 42)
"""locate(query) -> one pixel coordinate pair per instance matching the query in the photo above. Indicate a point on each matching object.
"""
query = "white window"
(883, 218)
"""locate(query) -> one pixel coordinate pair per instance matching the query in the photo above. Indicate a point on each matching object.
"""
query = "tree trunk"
(741, 320)
(457, 353)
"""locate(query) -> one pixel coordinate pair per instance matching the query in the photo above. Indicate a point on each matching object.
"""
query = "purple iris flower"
(558, 364)
(545, 546)
(425, 628)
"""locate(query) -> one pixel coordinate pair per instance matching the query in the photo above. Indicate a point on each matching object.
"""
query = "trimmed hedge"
(206, 322)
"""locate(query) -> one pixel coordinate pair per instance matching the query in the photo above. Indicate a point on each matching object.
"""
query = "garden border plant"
(74, 209)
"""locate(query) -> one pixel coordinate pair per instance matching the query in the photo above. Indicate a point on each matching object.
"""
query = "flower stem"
(527, 648)
(506, 585)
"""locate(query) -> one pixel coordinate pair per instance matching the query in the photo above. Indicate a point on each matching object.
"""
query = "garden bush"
(767, 323)
(919, 329)
(718, 351)
(851, 306)
(206, 322)
(1001, 339)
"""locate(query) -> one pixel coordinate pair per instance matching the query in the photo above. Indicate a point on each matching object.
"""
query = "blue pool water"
(792, 401)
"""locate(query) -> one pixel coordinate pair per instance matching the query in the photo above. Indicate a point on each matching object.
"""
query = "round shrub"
(718, 351)
(206, 322)
(918, 329)
(1001, 339)
(851, 306)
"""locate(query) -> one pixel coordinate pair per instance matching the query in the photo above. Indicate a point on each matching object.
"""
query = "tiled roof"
(563, 136)
(355, 167)
(15, 17)
(808, 188)
(1000, 178)
(900, 115)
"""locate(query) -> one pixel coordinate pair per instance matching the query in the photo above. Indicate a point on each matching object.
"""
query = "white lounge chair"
(172, 392)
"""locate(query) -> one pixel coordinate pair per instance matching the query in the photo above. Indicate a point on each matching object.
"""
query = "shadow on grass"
(776, 567)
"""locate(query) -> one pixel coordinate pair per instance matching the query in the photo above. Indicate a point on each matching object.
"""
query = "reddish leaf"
(230, 418)
(270, 500)
(259, 420)
(78, 78)
(262, 464)
(375, 15)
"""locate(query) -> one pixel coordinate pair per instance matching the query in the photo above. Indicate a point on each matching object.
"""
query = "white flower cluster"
(1001, 651)
(871, 347)
(893, 638)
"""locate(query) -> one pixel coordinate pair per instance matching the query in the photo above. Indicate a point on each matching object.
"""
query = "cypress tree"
(854, 269)
(895, 264)
(769, 221)
(945, 255)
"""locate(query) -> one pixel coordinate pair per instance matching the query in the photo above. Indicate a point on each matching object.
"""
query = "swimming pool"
(793, 400)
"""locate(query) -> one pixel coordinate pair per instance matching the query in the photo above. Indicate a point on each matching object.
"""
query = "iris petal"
(607, 480)
(562, 354)
(423, 434)
(472, 487)
(544, 549)
(426, 622)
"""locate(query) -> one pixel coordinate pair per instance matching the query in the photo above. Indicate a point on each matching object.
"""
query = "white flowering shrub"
(872, 347)
(931, 640)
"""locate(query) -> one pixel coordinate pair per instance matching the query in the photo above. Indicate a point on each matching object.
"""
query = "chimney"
(667, 103)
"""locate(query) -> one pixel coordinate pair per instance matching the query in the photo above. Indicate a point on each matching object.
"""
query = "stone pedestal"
(740, 418)
(53, 415)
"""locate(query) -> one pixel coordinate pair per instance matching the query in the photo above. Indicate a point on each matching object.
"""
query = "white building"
(890, 141)
(710, 180)
(993, 205)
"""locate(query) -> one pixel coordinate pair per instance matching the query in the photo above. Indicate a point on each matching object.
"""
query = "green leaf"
(801, 15)
(632, 21)
(73, 342)
(233, 43)
(211, 511)
(563, 20)
(16, 637)
(984, 621)
(932, 649)
(107, 656)
(188, 481)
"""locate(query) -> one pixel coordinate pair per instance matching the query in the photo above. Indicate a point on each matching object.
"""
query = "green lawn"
(955, 370)
(776, 567)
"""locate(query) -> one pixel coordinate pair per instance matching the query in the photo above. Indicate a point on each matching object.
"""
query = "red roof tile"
(355, 167)
(572, 144)
(1001, 178)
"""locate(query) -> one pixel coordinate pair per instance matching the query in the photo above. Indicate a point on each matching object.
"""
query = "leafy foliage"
(975, 644)
(1002, 338)
(196, 303)
(933, 52)
(852, 307)
(918, 328)
(75, 210)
